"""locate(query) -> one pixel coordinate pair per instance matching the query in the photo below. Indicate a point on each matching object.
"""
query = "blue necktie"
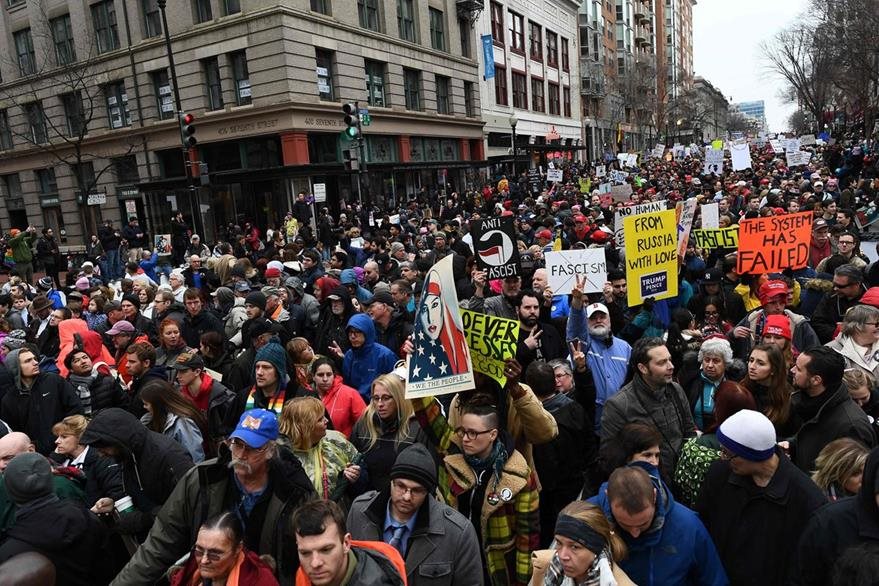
(397, 538)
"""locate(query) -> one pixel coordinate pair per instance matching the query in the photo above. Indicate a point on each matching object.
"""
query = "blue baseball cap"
(256, 427)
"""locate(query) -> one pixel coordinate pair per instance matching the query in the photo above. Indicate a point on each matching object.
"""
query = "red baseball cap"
(777, 325)
(772, 289)
(544, 234)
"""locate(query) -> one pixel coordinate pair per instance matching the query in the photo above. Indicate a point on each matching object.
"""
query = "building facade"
(87, 104)
(712, 111)
(755, 111)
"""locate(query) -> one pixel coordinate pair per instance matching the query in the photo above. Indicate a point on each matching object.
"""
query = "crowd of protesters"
(235, 412)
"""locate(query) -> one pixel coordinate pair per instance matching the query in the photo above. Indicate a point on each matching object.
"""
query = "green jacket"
(66, 488)
(21, 247)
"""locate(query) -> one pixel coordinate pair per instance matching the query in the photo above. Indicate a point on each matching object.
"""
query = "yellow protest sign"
(711, 238)
(651, 256)
(491, 340)
(717, 144)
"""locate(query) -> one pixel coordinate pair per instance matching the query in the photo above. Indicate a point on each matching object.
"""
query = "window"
(517, 32)
(553, 98)
(536, 38)
(212, 80)
(437, 30)
(500, 86)
(24, 48)
(552, 49)
(406, 20)
(497, 23)
(565, 58)
(466, 45)
(36, 120)
(46, 182)
(5, 132)
(152, 19)
(125, 169)
(324, 70)
(106, 33)
(232, 6)
(537, 102)
(164, 98)
(241, 76)
(412, 88)
(520, 91)
(566, 101)
(203, 12)
(367, 11)
(74, 116)
(322, 6)
(62, 37)
(117, 104)
(13, 186)
(469, 106)
(375, 83)
(443, 105)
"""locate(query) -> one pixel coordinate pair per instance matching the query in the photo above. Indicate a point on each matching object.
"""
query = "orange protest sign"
(775, 243)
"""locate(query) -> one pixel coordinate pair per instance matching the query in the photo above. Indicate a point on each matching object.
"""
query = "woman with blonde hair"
(839, 468)
(103, 478)
(858, 341)
(387, 427)
(586, 551)
(329, 460)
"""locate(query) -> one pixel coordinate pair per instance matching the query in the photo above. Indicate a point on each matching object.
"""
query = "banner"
(775, 243)
(491, 341)
(713, 162)
(488, 55)
(710, 215)
(651, 256)
(554, 175)
(685, 223)
(741, 156)
(494, 243)
(440, 362)
(563, 267)
(797, 158)
(711, 238)
(641, 208)
(777, 146)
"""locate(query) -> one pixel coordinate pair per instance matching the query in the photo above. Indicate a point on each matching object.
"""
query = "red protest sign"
(774, 243)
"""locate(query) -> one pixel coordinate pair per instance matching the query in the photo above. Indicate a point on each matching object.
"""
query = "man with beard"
(263, 485)
(503, 305)
(606, 355)
(537, 340)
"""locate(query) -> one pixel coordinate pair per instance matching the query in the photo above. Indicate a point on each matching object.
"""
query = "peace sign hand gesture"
(577, 292)
(533, 339)
(578, 356)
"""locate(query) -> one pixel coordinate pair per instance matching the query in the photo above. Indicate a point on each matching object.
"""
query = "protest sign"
(774, 243)
(791, 145)
(604, 188)
(621, 192)
(618, 176)
(600, 171)
(641, 208)
(710, 215)
(495, 244)
(162, 243)
(711, 238)
(554, 175)
(796, 158)
(632, 160)
(658, 151)
(717, 144)
(741, 156)
(491, 341)
(713, 162)
(685, 223)
(563, 267)
(651, 256)
(777, 146)
(440, 362)
(807, 140)
(678, 151)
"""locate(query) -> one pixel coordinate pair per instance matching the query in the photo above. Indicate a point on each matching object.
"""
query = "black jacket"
(551, 346)
(103, 476)
(379, 458)
(105, 392)
(195, 326)
(135, 404)
(829, 312)
(395, 334)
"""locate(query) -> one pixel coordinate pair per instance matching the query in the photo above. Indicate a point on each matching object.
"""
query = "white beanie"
(749, 435)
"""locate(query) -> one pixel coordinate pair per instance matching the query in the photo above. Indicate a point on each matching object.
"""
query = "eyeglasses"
(236, 445)
(212, 554)
(415, 491)
(382, 398)
(562, 374)
(727, 455)
(471, 434)
(842, 286)
(712, 313)
(841, 242)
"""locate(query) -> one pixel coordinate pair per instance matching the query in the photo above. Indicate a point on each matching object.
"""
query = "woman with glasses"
(387, 427)
(219, 557)
(343, 403)
(711, 317)
(170, 414)
(858, 342)
(328, 458)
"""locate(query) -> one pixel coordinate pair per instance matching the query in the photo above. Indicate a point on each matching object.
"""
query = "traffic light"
(351, 158)
(187, 130)
(352, 121)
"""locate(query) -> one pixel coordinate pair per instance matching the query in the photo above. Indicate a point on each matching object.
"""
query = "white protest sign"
(658, 151)
(632, 160)
(685, 224)
(320, 192)
(554, 175)
(563, 267)
(791, 145)
(797, 158)
(807, 140)
(600, 171)
(777, 146)
(678, 151)
(741, 156)
(713, 162)
(622, 158)
(710, 216)
(641, 208)
(621, 192)
(618, 176)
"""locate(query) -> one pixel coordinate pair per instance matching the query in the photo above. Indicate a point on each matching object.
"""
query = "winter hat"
(778, 325)
(45, 283)
(40, 303)
(545, 234)
(397, 247)
(28, 477)
(257, 298)
(275, 355)
(275, 264)
(296, 284)
(415, 463)
(83, 284)
(224, 295)
(133, 299)
(15, 339)
(748, 434)
(272, 273)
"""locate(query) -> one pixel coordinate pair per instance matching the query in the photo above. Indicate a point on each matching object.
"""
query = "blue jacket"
(149, 267)
(349, 277)
(608, 363)
(361, 366)
(677, 549)
(55, 297)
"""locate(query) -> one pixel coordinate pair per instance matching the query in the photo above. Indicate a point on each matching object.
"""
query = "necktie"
(397, 538)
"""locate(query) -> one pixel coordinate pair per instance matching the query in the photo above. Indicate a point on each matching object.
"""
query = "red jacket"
(252, 572)
(345, 406)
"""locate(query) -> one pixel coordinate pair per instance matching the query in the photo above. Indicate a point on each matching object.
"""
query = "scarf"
(82, 384)
(494, 461)
(808, 407)
(231, 580)
(599, 573)
(858, 354)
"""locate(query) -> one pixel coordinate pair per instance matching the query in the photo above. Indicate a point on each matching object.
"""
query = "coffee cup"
(124, 505)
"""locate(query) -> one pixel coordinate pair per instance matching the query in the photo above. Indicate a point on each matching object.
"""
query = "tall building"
(711, 111)
(756, 111)
(265, 80)
(533, 93)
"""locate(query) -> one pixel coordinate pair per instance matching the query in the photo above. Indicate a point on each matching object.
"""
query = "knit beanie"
(28, 477)
(225, 296)
(749, 435)
(415, 463)
(15, 339)
(133, 299)
(275, 355)
(257, 299)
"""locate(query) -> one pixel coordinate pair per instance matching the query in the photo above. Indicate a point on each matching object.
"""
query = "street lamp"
(678, 130)
(513, 122)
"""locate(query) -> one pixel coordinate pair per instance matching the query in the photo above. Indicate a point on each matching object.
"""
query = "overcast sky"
(726, 49)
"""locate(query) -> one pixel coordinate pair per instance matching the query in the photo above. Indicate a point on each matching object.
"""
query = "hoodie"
(362, 365)
(349, 277)
(675, 549)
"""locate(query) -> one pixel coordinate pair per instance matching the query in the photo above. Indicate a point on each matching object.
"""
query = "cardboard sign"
(651, 256)
(621, 192)
(710, 215)
(563, 267)
(604, 188)
(713, 162)
(641, 208)
(440, 363)
(554, 175)
(797, 158)
(775, 243)
(711, 238)
(741, 156)
(494, 241)
(685, 223)
(491, 341)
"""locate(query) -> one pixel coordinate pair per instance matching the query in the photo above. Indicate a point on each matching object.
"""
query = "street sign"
(365, 118)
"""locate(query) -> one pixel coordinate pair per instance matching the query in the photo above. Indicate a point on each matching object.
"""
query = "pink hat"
(83, 284)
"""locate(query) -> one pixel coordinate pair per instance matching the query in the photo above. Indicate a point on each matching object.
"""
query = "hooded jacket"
(347, 277)
(836, 527)
(675, 551)
(375, 563)
(344, 405)
(362, 365)
(332, 326)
